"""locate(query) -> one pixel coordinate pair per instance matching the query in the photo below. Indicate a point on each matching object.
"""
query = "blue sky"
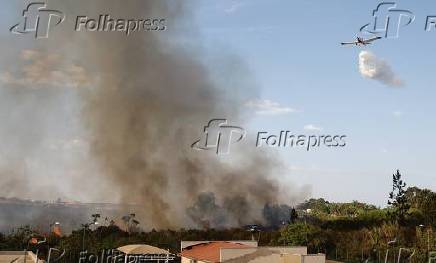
(293, 51)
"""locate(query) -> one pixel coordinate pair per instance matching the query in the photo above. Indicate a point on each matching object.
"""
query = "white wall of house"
(294, 258)
(260, 254)
(230, 253)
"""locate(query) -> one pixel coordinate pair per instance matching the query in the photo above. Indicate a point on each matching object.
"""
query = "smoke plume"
(141, 101)
(370, 66)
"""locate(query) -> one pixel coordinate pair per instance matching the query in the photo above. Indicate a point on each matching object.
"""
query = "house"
(209, 251)
(243, 252)
(145, 253)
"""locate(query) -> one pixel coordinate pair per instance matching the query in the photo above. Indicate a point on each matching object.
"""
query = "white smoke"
(370, 66)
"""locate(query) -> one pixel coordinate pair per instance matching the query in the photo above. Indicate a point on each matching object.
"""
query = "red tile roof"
(210, 251)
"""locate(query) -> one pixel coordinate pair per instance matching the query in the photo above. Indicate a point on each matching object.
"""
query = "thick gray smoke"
(235, 211)
(143, 100)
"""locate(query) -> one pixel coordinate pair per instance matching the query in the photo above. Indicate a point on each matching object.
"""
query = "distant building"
(243, 252)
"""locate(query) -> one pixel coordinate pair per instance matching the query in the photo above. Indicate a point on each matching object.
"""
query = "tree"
(422, 205)
(95, 218)
(129, 221)
(294, 215)
(126, 220)
(398, 199)
(134, 226)
(318, 207)
(298, 234)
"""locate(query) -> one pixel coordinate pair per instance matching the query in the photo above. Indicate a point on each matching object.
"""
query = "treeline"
(355, 232)
(351, 232)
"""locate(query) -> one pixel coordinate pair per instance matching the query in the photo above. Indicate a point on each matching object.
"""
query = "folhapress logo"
(219, 136)
(39, 19)
(388, 20)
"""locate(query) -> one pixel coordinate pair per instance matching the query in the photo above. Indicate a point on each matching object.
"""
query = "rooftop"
(16, 256)
(142, 249)
(210, 251)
